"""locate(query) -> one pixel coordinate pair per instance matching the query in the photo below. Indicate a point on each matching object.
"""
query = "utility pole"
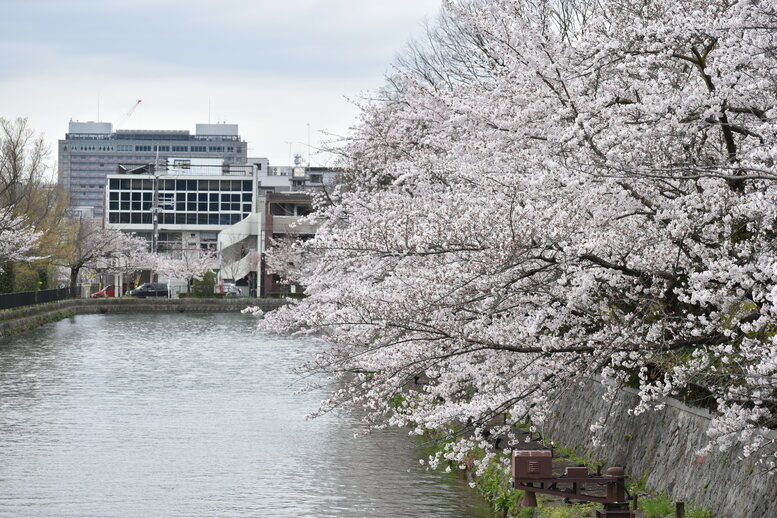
(155, 210)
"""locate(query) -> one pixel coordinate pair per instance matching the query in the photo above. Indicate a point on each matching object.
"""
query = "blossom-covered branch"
(540, 196)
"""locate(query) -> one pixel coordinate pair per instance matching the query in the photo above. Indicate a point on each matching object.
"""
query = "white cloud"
(271, 66)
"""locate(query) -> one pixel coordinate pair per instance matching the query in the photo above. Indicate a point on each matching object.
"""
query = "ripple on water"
(192, 416)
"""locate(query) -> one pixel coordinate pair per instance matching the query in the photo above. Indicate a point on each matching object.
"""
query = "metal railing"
(30, 298)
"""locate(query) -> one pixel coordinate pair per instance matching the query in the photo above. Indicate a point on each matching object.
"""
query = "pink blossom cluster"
(16, 239)
(544, 192)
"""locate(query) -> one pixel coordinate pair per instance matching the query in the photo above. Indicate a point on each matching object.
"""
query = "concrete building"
(198, 199)
(296, 178)
(207, 204)
(91, 151)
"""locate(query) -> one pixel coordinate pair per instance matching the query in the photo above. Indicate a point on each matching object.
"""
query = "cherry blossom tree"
(187, 265)
(88, 245)
(546, 192)
(17, 241)
(31, 206)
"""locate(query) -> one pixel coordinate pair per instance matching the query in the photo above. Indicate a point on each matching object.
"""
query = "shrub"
(204, 287)
(25, 278)
(657, 507)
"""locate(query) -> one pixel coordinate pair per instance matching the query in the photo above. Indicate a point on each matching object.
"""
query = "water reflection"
(195, 416)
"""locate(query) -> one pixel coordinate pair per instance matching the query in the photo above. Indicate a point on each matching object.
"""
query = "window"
(199, 149)
(216, 149)
(180, 148)
(142, 148)
(208, 240)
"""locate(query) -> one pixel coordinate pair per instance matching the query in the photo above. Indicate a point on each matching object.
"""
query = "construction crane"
(129, 113)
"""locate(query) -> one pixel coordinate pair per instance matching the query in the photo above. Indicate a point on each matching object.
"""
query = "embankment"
(660, 446)
(21, 319)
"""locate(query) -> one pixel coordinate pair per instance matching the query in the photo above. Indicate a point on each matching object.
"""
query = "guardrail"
(30, 298)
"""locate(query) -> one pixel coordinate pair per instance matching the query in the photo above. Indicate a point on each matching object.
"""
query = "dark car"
(150, 289)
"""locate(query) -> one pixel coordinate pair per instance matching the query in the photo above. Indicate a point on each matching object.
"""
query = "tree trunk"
(74, 270)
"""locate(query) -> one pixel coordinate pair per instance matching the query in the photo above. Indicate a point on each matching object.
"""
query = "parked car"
(150, 289)
(109, 291)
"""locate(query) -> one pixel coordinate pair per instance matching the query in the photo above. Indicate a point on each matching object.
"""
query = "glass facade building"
(220, 201)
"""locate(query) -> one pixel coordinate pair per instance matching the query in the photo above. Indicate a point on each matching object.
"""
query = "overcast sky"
(271, 66)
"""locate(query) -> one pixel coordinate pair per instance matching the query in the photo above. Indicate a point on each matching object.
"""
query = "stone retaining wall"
(22, 319)
(661, 446)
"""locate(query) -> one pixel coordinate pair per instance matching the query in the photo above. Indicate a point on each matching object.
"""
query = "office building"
(91, 151)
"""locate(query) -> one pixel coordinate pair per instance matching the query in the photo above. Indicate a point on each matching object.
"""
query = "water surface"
(183, 415)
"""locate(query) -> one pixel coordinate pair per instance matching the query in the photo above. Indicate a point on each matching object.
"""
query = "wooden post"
(679, 510)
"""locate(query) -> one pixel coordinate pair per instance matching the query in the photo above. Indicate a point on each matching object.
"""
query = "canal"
(183, 415)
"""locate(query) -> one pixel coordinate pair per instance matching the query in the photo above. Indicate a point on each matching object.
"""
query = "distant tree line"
(41, 244)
